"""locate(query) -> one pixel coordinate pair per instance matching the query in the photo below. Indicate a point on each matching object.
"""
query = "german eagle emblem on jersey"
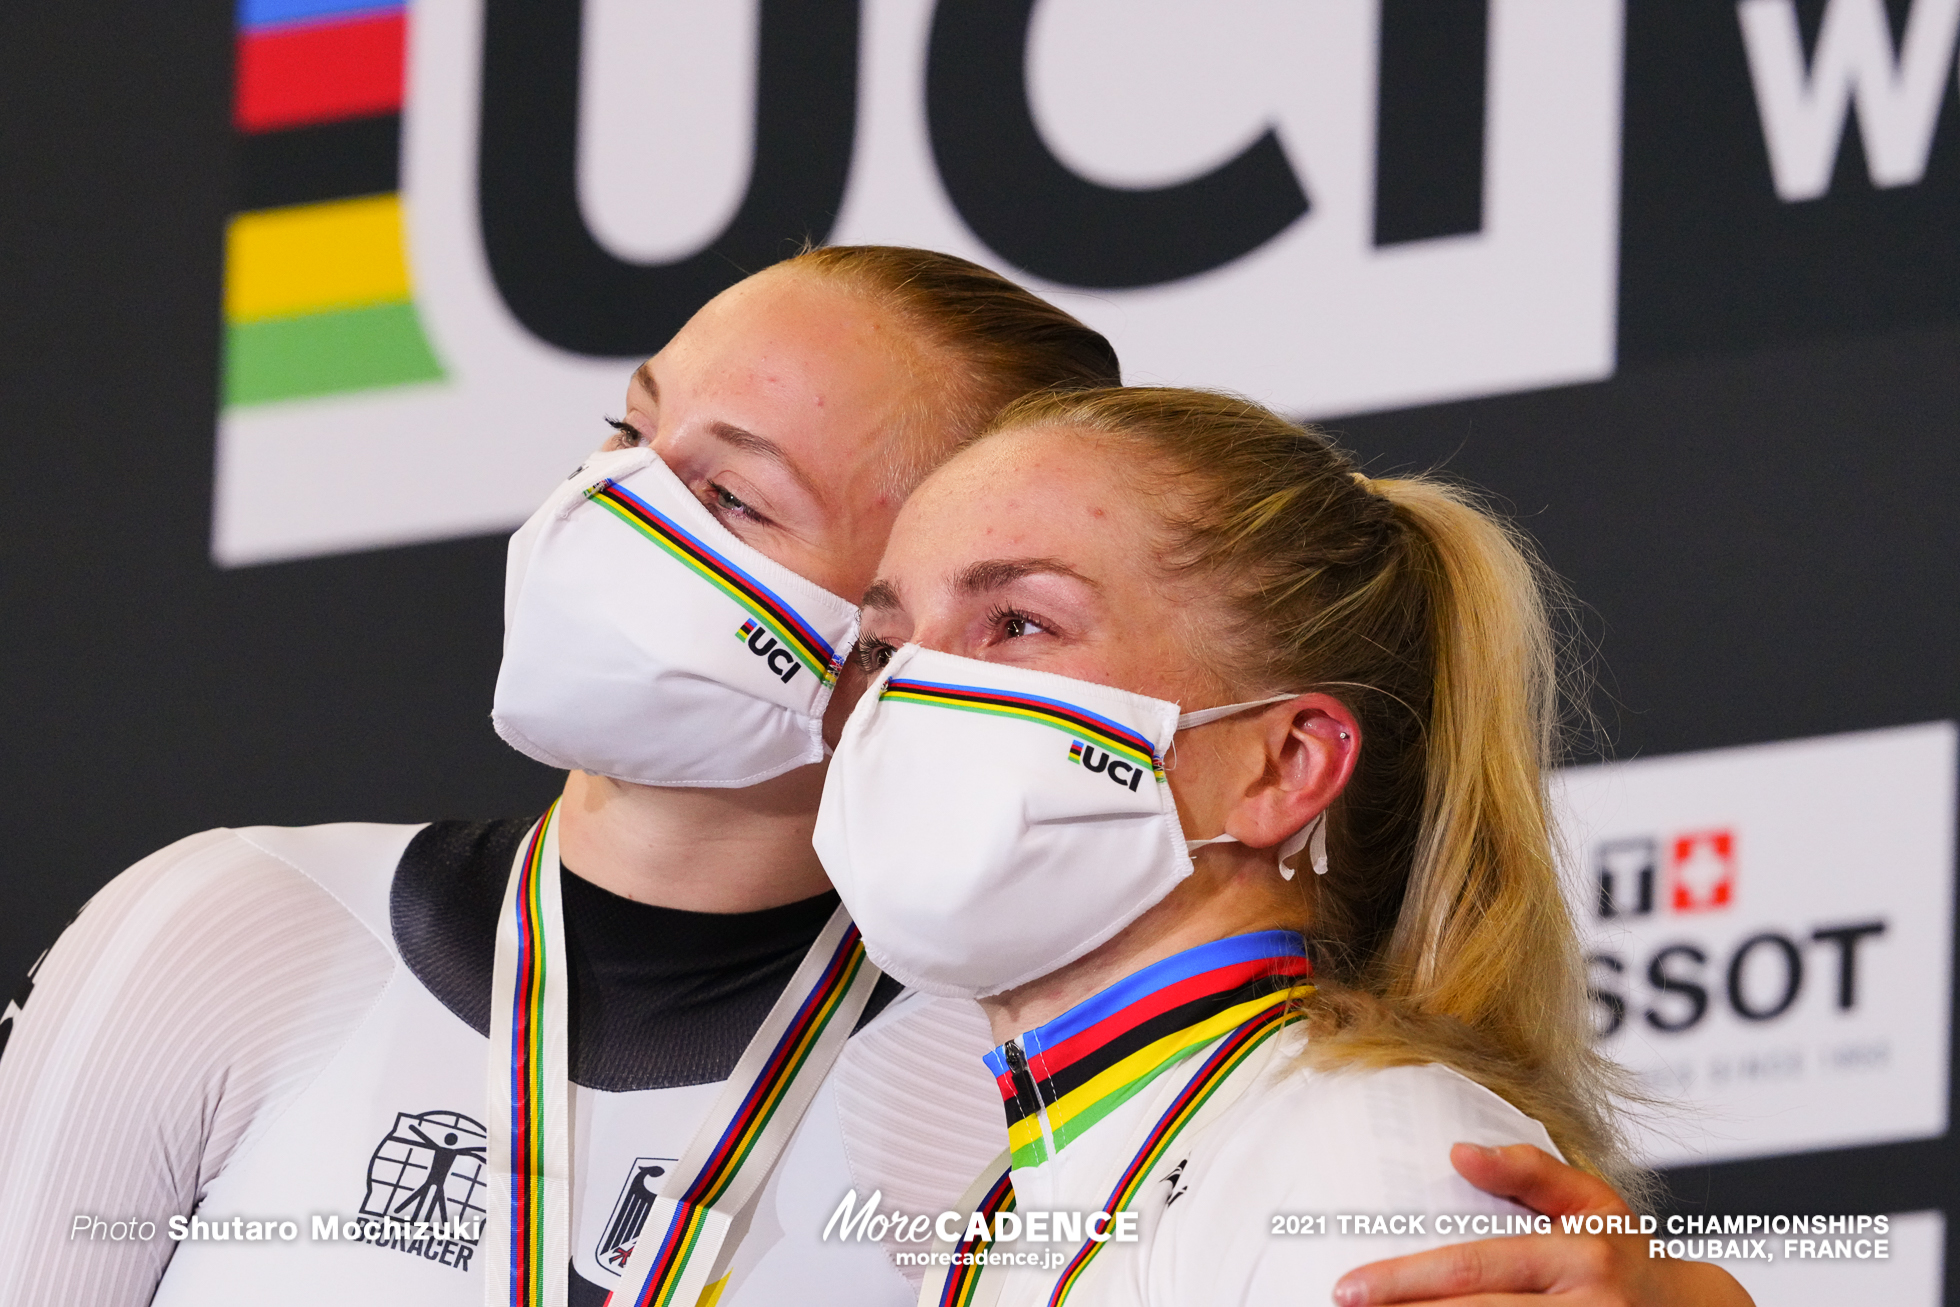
(630, 1212)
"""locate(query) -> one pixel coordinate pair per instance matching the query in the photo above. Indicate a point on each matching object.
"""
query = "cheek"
(1209, 776)
(851, 543)
(851, 685)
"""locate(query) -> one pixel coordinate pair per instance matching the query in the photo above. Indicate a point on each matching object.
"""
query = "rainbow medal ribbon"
(1205, 1096)
(989, 1196)
(683, 1252)
(529, 1153)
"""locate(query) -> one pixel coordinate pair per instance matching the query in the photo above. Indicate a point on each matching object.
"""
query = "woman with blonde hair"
(1195, 1044)
(280, 1021)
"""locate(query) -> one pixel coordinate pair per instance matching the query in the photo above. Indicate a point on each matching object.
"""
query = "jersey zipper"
(1029, 1095)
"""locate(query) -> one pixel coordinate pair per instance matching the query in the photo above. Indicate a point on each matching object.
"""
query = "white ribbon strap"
(682, 1255)
(529, 1152)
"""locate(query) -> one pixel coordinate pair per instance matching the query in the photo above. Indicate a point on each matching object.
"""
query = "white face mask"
(644, 641)
(986, 825)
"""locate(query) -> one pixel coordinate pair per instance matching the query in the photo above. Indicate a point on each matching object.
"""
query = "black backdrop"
(1755, 509)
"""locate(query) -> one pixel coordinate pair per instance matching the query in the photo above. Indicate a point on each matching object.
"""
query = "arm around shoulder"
(1320, 1172)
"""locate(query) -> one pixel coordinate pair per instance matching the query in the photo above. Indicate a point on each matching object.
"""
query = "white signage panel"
(1909, 1275)
(1316, 313)
(1771, 932)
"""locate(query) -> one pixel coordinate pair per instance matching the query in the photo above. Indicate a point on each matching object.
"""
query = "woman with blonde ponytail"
(1249, 983)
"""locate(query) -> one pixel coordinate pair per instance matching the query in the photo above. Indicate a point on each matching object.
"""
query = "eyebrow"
(730, 434)
(644, 375)
(738, 437)
(979, 578)
(993, 573)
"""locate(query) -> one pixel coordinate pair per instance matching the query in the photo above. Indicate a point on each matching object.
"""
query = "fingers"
(1537, 1180)
(1526, 1264)
(1582, 1271)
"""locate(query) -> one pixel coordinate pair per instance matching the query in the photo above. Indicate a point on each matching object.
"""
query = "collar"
(1094, 1057)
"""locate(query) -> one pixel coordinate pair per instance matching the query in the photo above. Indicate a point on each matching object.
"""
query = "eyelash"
(872, 654)
(734, 506)
(1001, 615)
(630, 435)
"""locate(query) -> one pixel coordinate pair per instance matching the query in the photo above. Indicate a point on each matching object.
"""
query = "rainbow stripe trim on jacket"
(739, 1138)
(1224, 1059)
(527, 1062)
(1101, 1053)
(767, 607)
(1065, 717)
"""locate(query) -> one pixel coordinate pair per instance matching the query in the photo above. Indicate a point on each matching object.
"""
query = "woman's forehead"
(797, 361)
(800, 317)
(1041, 492)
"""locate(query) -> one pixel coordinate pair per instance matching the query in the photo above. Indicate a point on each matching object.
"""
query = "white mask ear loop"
(1314, 833)
(1203, 715)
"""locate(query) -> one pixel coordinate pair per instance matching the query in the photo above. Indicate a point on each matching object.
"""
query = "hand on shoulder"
(1580, 1270)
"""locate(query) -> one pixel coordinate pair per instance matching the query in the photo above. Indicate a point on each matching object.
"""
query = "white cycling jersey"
(1177, 1097)
(234, 1028)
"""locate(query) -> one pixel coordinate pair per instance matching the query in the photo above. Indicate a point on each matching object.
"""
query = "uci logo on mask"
(1126, 774)
(764, 646)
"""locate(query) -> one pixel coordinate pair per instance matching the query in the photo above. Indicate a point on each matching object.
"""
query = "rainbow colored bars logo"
(774, 621)
(317, 293)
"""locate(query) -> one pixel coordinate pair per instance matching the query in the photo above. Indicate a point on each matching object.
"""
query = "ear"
(1311, 745)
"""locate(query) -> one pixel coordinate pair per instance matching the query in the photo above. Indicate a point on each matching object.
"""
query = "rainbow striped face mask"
(986, 825)
(645, 642)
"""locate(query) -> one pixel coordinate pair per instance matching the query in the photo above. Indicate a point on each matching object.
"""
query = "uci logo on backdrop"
(1330, 207)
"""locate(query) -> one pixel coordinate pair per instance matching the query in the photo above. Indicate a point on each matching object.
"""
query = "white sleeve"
(1359, 1144)
(186, 1004)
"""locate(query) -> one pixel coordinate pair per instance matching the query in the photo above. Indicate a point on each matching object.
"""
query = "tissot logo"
(1699, 868)
(1770, 937)
(1760, 976)
(1701, 871)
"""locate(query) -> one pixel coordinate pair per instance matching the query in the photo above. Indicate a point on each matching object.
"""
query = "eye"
(1013, 624)
(720, 500)
(627, 434)
(872, 654)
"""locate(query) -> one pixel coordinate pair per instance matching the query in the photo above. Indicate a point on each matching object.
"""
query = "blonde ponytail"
(1440, 932)
(1484, 941)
